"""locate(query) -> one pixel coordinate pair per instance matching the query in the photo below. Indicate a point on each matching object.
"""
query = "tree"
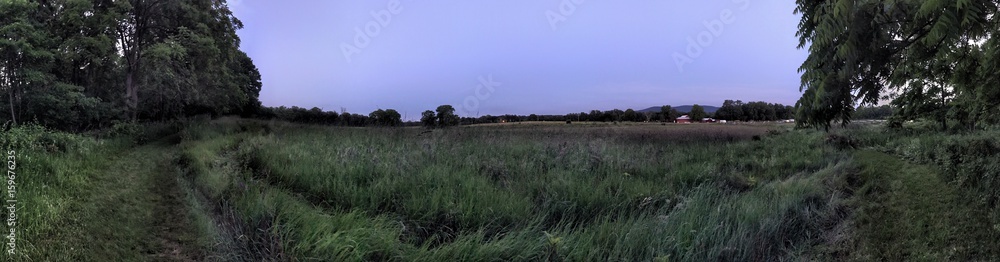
(428, 118)
(446, 116)
(630, 115)
(24, 58)
(880, 112)
(615, 115)
(596, 115)
(388, 117)
(378, 117)
(860, 50)
(730, 110)
(697, 113)
(668, 114)
(392, 117)
(134, 32)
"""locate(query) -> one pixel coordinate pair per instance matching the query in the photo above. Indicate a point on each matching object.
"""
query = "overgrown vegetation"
(239, 189)
(538, 192)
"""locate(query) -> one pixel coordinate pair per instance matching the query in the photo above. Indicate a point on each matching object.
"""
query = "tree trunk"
(944, 107)
(11, 96)
(131, 95)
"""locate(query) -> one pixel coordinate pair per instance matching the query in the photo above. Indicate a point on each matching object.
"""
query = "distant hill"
(682, 109)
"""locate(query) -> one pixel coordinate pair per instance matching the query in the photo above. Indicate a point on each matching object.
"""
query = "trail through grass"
(103, 204)
(907, 212)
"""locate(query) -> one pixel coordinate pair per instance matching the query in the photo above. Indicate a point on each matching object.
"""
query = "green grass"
(531, 192)
(84, 199)
(236, 190)
(908, 212)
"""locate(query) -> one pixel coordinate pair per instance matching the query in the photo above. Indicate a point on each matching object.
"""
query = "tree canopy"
(697, 113)
(933, 57)
(753, 111)
(78, 64)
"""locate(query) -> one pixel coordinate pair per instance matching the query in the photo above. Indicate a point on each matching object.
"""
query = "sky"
(520, 56)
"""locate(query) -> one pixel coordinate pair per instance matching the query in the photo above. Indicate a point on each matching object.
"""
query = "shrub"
(36, 138)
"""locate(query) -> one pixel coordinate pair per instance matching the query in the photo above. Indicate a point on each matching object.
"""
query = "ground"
(235, 190)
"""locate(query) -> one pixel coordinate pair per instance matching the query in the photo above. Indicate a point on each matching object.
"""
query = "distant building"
(685, 119)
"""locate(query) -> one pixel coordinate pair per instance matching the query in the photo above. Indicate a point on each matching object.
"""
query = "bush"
(36, 138)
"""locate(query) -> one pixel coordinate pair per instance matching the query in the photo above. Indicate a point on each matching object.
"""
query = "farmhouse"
(685, 119)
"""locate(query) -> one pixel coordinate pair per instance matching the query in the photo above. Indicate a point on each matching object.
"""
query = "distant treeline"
(315, 115)
(444, 115)
(753, 111)
(873, 113)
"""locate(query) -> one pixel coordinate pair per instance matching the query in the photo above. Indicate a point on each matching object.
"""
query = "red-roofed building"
(685, 119)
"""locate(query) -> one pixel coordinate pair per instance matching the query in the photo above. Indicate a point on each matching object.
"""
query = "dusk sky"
(520, 56)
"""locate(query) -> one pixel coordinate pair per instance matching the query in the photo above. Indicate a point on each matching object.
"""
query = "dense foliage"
(877, 112)
(753, 111)
(315, 115)
(80, 64)
(937, 58)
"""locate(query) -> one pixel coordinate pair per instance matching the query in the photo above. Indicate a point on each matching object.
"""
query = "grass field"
(236, 190)
(520, 192)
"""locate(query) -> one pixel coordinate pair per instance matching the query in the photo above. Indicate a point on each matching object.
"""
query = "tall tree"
(630, 115)
(668, 114)
(23, 57)
(697, 113)
(446, 116)
(136, 22)
(859, 50)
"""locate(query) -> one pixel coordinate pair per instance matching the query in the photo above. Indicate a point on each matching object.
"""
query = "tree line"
(444, 115)
(80, 64)
(315, 115)
(753, 111)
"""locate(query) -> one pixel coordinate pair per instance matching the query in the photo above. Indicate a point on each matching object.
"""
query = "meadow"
(520, 192)
(235, 189)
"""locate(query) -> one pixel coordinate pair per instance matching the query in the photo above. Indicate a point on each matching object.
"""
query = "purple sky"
(546, 57)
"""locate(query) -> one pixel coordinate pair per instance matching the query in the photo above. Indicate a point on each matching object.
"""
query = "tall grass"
(69, 206)
(576, 193)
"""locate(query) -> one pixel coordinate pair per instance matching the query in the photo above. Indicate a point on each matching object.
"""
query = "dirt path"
(147, 174)
(908, 212)
(175, 237)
